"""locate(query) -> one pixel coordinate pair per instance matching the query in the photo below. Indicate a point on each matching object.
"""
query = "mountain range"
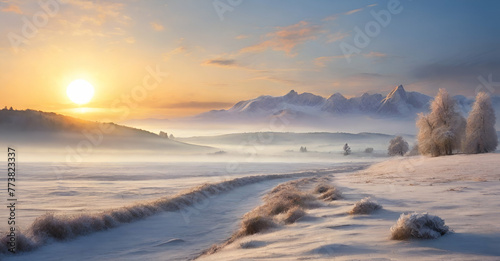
(398, 103)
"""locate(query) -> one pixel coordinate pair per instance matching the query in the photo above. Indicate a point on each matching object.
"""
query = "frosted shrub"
(364, 206)
(255, 224)
(423, 226)
(293, 215)
(284, 199)
(327, 191)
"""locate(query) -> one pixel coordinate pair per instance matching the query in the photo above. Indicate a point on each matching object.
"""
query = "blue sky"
(259, 47)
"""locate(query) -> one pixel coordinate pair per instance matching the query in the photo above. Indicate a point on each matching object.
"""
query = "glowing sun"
(80, 91)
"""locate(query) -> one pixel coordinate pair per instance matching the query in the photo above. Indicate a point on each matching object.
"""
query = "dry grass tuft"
(364, 207)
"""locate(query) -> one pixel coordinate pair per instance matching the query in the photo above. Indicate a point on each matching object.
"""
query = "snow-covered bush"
(442, 130)
(293, 215)
(413, 151)
(331, 194)
(480, 134)
(327, 191)
(423, 226)
(364, 206)
(347, 149)
(397, 146)
(285, 198)
(255, 224)
(322, 188)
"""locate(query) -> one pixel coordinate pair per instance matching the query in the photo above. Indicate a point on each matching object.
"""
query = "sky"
(168, 59)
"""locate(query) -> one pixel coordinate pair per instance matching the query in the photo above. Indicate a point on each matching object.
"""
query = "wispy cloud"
(101, 11)
(375, 55)
(286, 38)
(221, 62)
(331, 17)
(278, 80)
(130, 40)
(241, 36)
(323, 60)
(336, 37)
(92, 18)
(12, 8)
(353, 11)
(368, 75)
(181, 48)
(199, 105)
(336, 16)
(157, 26)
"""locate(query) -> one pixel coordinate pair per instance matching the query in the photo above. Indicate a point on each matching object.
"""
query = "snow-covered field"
(207, 214)
(464, 190)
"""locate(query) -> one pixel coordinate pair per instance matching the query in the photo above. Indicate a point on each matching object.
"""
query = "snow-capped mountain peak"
(396, 95)
(398, 102)
(401, 102)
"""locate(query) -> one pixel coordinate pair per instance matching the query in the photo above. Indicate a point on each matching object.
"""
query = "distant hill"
(286, 138)
(50, 130)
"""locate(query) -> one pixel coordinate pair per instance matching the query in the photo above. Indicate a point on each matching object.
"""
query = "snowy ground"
(170, 235)
(464, 190)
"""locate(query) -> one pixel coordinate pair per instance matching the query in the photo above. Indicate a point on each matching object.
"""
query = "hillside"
(37, 129)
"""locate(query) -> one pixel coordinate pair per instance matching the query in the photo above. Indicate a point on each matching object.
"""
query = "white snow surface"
(463, 190)
(207, 214)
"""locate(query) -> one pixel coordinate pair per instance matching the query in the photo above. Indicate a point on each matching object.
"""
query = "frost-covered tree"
(163, 135)
(347, 150)
(397, 146)
(413, 151)
(442, 130)
(480, 134)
